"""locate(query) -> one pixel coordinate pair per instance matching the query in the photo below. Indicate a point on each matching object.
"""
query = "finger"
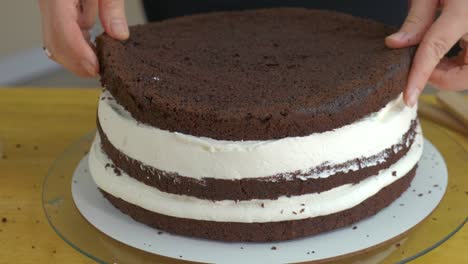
(440, 37)
(75, 52)
(65, 40)
(464, 56)
(420, 17)
(112, 14)
(87, 13)
(46, 9)
(464, 41)
(450, 74)
(86, 35)
(464, 45)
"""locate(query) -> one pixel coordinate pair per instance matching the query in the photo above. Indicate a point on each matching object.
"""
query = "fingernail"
(400, 36)
(119, 27)
(89, 67)
(412, 97)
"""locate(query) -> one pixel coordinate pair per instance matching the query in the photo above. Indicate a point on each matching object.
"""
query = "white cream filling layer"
(257, 210)
(200, 157)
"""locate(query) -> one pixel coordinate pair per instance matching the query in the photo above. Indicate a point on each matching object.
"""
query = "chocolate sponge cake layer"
(254, 75)
(271, 187)
(268, 231)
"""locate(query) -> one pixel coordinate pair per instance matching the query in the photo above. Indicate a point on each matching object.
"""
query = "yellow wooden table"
(35, 126)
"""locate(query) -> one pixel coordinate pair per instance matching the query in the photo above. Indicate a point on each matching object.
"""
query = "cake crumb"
(262, 205)
(394, 173)
(33, 247)
(354, 227)
(302, 204)
(397, 245)
(294, 212)
(433, 218)
(160, 232)
(35, 147)
(420, 194)
(18, 145)
(436, 185)
(4, 157)
(4, 220)
(180, 256)
(429, 192)
(367, 235)
(281, 211)
(402, 204)
(273, 248)
(117, 172)
(302, 210)
(241, 247)
(54, 251)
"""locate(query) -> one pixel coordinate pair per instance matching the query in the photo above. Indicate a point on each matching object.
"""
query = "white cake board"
(403, 214)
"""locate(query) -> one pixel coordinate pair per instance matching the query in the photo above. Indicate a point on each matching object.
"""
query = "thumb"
(112, 15)
(420, 17)
(464, 45)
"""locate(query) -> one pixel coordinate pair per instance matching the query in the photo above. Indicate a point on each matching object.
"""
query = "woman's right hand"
(65, 30)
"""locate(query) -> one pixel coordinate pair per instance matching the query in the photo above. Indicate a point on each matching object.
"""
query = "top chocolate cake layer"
(254, 75)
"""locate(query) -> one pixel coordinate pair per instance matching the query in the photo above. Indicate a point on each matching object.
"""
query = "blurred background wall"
(22, 62)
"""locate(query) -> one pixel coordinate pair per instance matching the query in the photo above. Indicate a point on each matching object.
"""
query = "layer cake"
(258, 125)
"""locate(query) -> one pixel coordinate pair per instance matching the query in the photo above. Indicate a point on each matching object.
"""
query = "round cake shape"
(256, 125)
(254, 75)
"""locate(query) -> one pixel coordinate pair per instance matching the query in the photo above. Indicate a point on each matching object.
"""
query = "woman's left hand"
(435, 38)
